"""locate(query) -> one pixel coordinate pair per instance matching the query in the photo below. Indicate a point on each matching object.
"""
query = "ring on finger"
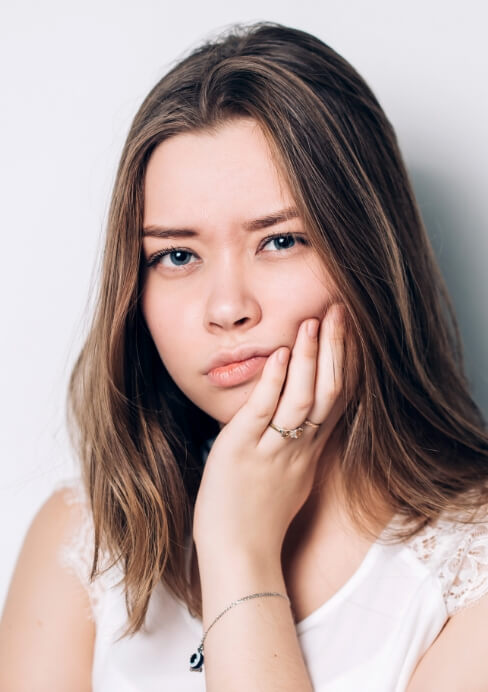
(293, 433)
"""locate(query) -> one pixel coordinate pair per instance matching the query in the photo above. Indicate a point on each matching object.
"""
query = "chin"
(228, 404)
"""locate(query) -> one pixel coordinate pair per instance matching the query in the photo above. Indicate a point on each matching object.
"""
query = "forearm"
(254, 646)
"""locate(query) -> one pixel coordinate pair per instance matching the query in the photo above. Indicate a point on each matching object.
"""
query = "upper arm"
(46, 631)
(457, 660)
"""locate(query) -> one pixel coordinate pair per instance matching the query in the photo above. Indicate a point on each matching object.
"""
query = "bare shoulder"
(46, 631)
(457, 659)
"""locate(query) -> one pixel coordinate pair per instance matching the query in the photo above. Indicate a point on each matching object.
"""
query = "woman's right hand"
(255, 481)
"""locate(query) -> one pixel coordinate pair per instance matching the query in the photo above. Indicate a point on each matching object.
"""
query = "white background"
(72, 77)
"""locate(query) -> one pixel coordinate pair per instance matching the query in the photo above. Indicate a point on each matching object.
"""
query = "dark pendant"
(196, 661)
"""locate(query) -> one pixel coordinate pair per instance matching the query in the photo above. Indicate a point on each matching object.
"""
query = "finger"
(329, 378)
(299, 391)
(351, 364)
(254, 416)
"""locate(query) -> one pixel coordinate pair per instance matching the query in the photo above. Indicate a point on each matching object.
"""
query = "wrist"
(227, 577)
(234, 560)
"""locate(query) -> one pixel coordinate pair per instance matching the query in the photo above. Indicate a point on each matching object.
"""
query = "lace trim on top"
(76, 552)
(457, 554)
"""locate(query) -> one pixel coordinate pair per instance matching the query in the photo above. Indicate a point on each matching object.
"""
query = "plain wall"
(72, 77)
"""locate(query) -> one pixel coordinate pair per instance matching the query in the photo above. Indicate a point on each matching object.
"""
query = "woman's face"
(238, 276)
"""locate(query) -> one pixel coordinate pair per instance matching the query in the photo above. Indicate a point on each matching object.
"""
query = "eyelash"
(154, 259)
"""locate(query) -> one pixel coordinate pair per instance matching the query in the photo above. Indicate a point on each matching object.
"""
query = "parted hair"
(412, 434)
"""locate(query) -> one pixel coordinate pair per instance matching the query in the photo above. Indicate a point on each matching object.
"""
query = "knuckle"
(262, 413)
(304, 405)
(310, 350)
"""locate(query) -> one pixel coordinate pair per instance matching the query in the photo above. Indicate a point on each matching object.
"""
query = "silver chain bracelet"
(196, 660)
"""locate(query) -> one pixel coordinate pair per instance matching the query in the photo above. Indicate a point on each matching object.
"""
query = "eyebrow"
(254, 225)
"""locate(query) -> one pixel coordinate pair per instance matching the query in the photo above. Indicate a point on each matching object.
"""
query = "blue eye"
(283, 241)
(181, 257)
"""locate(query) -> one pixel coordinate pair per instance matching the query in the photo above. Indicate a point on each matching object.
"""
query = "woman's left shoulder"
(455, 549)
(457, 552)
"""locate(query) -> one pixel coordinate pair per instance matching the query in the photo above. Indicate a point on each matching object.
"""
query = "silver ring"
(294, 433)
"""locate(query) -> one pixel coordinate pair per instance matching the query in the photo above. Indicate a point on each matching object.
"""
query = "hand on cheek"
(255, 480)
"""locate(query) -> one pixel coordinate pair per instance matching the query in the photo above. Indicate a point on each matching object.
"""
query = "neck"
(324, 513)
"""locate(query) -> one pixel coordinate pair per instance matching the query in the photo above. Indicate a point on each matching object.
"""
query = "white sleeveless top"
(368, 636)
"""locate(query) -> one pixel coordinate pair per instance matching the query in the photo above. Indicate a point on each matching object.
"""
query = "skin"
(229, 288)
(235, 295)
(233, 292)
(252, 478)
(236, 288)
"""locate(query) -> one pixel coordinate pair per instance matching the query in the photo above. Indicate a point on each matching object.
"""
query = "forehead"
(228, 173)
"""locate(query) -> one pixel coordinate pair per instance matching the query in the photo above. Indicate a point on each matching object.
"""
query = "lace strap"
(457, 553)
(465, 574)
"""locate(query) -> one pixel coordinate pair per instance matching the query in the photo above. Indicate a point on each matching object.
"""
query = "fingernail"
(312, 328)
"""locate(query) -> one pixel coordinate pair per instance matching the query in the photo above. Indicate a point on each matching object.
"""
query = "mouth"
(235, 373)
(236, 355)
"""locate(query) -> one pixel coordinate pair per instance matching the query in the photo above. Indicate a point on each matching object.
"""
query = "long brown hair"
(412, 432)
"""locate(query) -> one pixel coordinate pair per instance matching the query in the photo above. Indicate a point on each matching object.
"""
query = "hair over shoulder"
(412, 434)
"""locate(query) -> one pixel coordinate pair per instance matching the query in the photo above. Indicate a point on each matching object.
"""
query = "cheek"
(165, 322)
(305, 294)
(151, 311)
(159, 316)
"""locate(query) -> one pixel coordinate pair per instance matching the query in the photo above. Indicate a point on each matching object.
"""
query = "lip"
(233, 374)
(242, 353)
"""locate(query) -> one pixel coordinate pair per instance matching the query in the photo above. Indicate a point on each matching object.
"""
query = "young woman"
(284, 477)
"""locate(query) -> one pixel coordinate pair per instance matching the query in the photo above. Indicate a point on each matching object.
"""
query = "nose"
(232, 301)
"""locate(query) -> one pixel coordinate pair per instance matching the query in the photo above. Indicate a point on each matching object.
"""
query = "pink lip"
(236, 355)
(235, 373)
